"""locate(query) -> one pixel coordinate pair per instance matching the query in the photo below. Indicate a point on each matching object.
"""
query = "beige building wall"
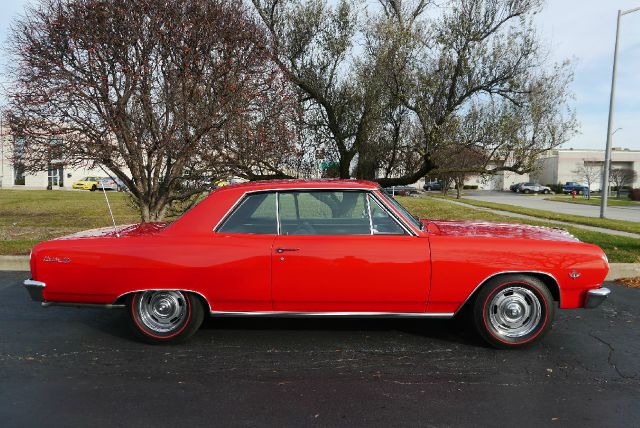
(559, 166)
(60, 176)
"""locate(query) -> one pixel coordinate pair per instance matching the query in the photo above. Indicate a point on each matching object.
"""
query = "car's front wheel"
(164, 316)
(513, 310)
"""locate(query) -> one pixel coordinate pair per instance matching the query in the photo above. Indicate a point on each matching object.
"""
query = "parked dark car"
(432, 185)
(570, 186)
(401, 190)
(515, 187)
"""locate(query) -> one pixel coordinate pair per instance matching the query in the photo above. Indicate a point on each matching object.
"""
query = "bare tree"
(165, 95)
(589, 172)
(380, 87)
(622, 177)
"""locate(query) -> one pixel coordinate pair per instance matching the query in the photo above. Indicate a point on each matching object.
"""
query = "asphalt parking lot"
(80, 367)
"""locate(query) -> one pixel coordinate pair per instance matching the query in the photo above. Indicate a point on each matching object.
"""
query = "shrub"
(634, 195)
(555, 188)
(470, 186)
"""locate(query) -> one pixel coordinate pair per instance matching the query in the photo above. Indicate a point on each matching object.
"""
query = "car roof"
(302, 184)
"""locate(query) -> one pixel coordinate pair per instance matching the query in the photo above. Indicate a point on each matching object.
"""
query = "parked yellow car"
(88, 183)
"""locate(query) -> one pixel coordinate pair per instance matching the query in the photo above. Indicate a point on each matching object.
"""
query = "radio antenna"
(113, 220)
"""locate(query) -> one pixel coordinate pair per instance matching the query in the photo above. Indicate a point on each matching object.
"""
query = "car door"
(343, 251)
(240, 272)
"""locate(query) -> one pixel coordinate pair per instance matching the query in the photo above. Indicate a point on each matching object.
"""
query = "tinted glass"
(382, 222)
(323, 213)
(256, 214)
(406, 214)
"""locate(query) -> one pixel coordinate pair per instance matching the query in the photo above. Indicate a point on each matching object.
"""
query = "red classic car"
(320, 248)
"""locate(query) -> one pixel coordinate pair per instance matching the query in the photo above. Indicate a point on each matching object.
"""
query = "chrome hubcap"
(162, 311)
(514, 312)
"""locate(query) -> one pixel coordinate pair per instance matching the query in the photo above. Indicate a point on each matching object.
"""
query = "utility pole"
(607, 152)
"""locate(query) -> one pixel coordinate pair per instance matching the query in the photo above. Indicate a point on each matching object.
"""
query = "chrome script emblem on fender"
(56, 259)
(574, 274)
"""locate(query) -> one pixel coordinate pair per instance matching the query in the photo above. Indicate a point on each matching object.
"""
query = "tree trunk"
(366, 168)
(151, 213)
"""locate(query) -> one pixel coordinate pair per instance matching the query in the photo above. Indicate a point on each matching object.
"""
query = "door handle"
(282, 250)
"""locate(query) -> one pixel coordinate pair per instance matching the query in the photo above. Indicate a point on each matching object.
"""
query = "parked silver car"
(533, 188)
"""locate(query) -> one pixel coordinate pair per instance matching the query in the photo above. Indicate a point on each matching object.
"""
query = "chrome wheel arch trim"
(506, 272)
(142, 290)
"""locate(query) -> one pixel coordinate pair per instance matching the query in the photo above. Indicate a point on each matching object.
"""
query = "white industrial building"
(559, 166)
(56, 174)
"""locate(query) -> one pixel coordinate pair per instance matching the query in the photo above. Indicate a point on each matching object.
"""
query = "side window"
(323, 213)
(256, 214)
(381, 222)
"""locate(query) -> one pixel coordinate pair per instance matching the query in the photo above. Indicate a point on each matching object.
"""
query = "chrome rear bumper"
(35, 289)
(595, 297)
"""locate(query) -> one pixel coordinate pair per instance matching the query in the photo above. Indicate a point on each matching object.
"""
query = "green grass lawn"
(611, 202)
(624, 226)
(30, 216)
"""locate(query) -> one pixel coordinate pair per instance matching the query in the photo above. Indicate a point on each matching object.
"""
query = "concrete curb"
(616, 270)
(14, 263)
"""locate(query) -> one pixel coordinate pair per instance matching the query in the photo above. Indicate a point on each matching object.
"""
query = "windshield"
(406, 214)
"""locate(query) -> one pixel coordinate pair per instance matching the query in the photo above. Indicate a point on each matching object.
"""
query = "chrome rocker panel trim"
(83, 305)
(595, 297)
(285, 314)
(35, 289)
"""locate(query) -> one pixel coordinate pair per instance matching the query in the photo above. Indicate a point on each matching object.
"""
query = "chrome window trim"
(277, 191)
(368, 198)
(278, 225)
(380, 196)
(237, 205)
(502, 273)
(293, 314)
(393, 217)
(401, 221)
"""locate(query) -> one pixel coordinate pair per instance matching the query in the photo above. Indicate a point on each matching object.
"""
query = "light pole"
(607, 152)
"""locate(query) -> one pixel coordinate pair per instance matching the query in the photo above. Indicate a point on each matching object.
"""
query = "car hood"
(487, 229)
(129, 230)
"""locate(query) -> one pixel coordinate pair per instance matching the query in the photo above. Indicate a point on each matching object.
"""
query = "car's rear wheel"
(93, 188)
(164, 316)
(513, 310)
(526, 191)
(546, 191)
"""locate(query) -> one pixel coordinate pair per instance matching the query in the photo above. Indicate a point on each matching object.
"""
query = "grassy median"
(30, 216)
(606, 223)
(595, 200)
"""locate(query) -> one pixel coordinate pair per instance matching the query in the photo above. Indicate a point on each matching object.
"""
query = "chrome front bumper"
(595, 297)
(35, 289)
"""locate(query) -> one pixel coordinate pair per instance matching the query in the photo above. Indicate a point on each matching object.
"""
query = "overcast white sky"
(581, 30)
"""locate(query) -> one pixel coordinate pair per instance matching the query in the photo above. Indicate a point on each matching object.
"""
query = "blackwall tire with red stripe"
(513, 311)
(164, 316)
